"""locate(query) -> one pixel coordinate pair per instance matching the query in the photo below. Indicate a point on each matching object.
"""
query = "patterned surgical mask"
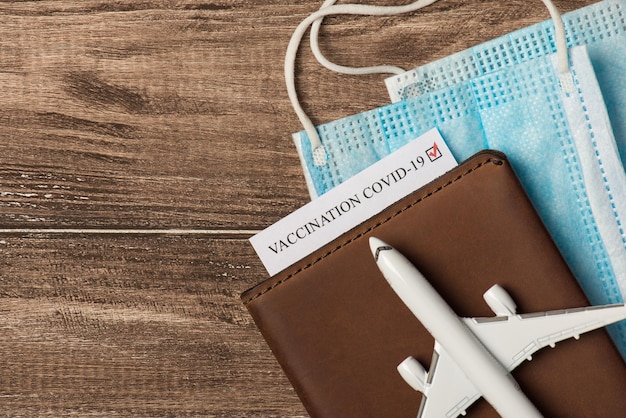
(601, 27)
(514, 94)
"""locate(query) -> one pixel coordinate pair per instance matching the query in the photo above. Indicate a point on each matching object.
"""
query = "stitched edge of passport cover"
(251, 294)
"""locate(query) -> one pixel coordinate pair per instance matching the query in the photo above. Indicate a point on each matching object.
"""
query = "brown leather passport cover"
(339, 331)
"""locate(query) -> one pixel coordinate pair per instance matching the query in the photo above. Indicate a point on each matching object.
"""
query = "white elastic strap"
(561, 42)
(390, 69)
(342, 69)
(319, 154)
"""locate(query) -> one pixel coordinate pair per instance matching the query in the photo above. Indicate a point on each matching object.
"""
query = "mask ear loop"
(319, 153)
(315, 48)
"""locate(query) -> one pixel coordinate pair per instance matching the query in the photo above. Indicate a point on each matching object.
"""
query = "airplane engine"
(413, 373)
(500, 302)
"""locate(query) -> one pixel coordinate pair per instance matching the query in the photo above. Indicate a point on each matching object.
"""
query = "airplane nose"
(375, 244)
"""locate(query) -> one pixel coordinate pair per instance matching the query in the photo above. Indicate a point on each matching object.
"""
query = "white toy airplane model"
(474, 356)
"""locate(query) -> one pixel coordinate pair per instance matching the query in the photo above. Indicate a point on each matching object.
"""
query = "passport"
(339, 331)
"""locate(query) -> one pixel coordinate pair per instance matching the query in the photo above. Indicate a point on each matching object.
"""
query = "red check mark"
(434, 151)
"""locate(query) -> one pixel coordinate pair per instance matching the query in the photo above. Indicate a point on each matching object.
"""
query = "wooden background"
(119, 119)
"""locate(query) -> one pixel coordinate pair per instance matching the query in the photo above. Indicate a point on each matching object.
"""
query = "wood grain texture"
(133, 326)
(169, 114)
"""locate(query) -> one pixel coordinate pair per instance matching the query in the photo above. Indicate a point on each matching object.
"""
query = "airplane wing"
(511, 339)
(447, 392)
(514, 338)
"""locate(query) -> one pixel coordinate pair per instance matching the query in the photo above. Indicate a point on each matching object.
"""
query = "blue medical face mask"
(553, 125)
(601, 27)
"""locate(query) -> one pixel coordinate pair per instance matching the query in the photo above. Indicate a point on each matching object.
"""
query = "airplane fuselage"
(490, 377)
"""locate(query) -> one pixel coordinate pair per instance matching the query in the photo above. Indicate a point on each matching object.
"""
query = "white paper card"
(353, 202)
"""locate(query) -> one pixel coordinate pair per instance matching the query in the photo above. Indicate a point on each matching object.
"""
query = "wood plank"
(134, 325)
(150, 115)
